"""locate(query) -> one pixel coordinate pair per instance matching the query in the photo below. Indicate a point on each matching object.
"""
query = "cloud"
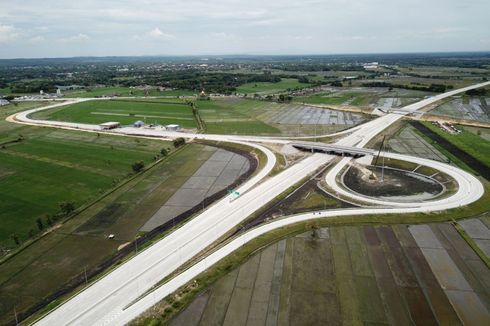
(222, 36)
(118, 27)
(37, 39)
(302, 37)
(157, 33)
(8, 33)
(80, 37)
(450, 30)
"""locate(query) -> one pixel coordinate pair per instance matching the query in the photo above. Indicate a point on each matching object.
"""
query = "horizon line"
(248, 55)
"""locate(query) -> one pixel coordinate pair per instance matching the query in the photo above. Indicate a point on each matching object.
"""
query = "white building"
(172, 127)
(371, 65)
(109, 125)
(138, 124)
(3, 102)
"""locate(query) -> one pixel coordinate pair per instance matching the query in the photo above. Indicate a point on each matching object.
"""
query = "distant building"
(371, 65)
(172, 127)
(138, 124)
(109, 125)
(3, 102)
(203, 96)
(69, 87)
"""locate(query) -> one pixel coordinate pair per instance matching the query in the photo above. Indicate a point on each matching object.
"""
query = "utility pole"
(379, 151)
(16, 318)
(383, 170)
(85, 274)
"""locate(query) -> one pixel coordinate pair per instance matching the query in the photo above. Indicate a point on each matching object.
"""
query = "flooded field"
(311, 116)
(407, 141)
(472, 109)
(220, 170)
(352, 276)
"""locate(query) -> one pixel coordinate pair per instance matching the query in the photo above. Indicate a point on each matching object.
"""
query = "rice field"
(351, 276)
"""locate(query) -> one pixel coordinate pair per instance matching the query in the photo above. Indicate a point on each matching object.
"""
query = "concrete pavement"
(111, 300)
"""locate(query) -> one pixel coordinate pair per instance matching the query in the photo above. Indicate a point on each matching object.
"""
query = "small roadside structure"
(138, 124)
(109, 125)
(173, 127)
(3, 102)
(203, 96)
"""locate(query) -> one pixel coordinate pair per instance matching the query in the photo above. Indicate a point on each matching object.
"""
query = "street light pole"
(16, 318)
(85, 274)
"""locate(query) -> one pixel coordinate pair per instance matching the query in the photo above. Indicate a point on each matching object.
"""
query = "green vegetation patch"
(126, 112)
(469, 140)
(286, 84)
(227, 117)
(126, 91)
(47, 169)
(81, 242)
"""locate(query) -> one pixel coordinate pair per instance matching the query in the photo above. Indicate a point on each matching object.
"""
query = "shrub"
(179, 142)
(67, 207)
(138, 166)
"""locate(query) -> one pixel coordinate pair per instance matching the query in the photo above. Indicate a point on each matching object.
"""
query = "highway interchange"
(127, 291)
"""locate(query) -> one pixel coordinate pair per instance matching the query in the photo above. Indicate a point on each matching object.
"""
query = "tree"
(179, 142)
(40, 224)
(138, 166)
(67, 207)
(303, 80)
(15, 238)
(164, 152)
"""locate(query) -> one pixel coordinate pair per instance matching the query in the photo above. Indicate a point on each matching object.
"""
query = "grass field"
(247, 116)
(220, 116)
(125, 91)
(124, 111)
(271, 88)
(484, 133)
(229, 115)
(5, 91)
(52, 167)
(233, 117)
(81, 243)
(469, 141)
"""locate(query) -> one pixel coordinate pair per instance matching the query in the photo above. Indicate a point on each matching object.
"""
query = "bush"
(40, 224)
(164, 152)
(138, 166)
(179, 142)
(67, 207)
(15, 238)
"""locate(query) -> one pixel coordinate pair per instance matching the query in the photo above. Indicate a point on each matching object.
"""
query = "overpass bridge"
(333, 149)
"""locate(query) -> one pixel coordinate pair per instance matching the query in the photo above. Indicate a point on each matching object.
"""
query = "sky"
(48, 28)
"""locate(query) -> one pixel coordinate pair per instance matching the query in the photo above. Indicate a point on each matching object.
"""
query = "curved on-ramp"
(106, 301)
